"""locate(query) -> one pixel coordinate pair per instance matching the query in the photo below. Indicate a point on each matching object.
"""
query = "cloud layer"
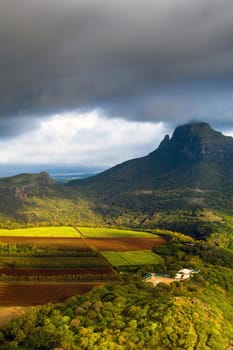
(158, 61)
(82, 140)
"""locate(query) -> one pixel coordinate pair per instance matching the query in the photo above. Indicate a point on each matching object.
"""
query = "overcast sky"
(96, 82)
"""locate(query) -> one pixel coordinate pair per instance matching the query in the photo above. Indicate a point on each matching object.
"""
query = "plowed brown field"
(125, 243)
(14, 294)
(27, 293)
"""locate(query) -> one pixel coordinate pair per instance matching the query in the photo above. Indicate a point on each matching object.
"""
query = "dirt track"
(159, 279)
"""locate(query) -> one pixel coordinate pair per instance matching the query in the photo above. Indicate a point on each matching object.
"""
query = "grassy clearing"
(132, 258)
(101, 232)
(60, 232)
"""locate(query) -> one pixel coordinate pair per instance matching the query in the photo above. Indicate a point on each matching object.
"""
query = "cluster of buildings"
(185, 274)
(181, 275)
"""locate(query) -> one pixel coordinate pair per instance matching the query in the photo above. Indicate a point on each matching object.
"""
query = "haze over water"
(59, 173)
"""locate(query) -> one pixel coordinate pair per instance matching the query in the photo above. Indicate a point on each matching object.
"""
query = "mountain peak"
(164, 142)
(196, 131)
(196, 141)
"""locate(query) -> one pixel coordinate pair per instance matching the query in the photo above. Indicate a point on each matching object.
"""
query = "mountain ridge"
(193, 148)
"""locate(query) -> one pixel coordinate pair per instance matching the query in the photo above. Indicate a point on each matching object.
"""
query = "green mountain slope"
(195, 157)
(186, 184)
(36, 200)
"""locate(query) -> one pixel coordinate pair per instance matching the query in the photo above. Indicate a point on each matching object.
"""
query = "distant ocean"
(66, 177)
(61, 174)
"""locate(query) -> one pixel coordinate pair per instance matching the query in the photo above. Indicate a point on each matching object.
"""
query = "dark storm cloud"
(13, 126)
(145, 60)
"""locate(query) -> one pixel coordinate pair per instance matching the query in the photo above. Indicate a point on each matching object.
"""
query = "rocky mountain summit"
(198, 141)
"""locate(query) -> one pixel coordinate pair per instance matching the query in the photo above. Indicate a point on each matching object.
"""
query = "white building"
(184, 274)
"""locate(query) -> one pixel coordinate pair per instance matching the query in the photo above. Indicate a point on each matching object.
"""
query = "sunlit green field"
(63, 231)
(98, 232)
(132, 258)
(60, 231)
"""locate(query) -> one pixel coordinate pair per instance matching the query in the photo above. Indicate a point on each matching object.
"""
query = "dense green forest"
(192, 314)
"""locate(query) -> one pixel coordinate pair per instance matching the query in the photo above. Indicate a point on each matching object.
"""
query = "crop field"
(49, 264)
(59, 231)
(99, 232)
(52, 270)
(57, 275)
(124, 243)
(52, 242)
(12, 251)
(27, 294)
(54, 262)
(132, 258)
